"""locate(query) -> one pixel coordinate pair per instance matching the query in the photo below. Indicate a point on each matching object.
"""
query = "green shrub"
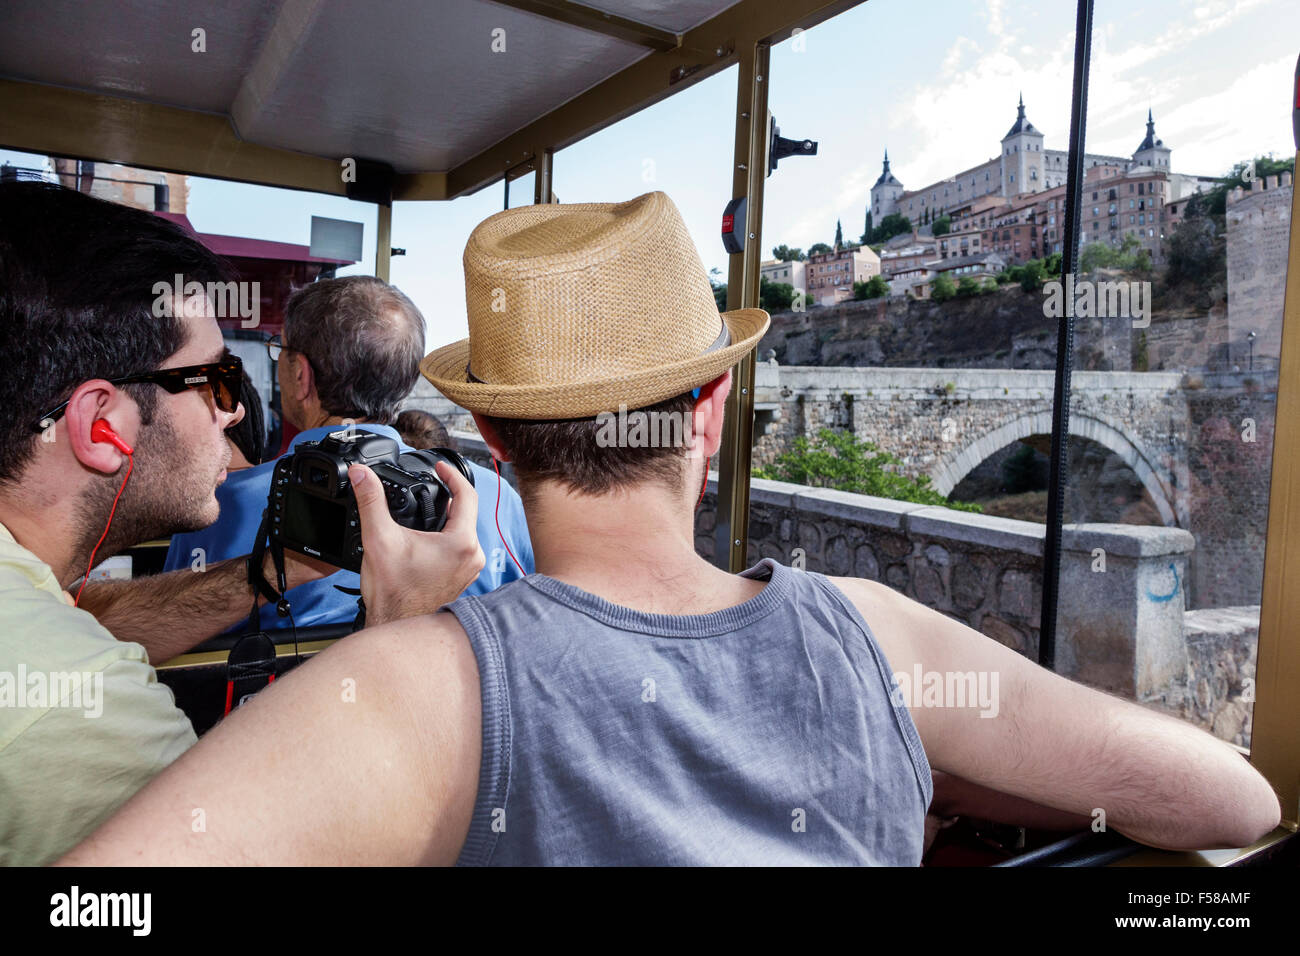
(942, 289)
(839, 460)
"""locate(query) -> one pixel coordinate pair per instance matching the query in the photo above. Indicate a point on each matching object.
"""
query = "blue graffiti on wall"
(1161, 598)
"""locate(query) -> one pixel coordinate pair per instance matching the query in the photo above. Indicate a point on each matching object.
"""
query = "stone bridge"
(945, 422)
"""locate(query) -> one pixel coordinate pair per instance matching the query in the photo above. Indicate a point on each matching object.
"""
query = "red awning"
(238, 246)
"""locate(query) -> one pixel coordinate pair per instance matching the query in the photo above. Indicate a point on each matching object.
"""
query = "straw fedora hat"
(575, 310)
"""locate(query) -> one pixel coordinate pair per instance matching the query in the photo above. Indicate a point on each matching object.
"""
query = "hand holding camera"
(407, 522)
(406, 572)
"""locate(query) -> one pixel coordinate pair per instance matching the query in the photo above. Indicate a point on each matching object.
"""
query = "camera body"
(313, 510)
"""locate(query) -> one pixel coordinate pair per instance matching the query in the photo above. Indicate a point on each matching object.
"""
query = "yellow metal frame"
(76, 124)
(213, 658)
(1275, 731)
(749, 175)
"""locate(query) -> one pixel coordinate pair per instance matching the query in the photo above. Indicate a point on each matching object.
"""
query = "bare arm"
(1065, 746)
(170, 613)
(954, 796)
(388, 773)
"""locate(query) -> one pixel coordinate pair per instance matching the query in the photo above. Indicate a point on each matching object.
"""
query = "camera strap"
(261, 586)
(258, 579)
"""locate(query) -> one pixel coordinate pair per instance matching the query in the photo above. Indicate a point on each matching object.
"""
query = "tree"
(839, 235)
(719, 288)
(942, 289)
(817, 248)
(1243, 173)
(1195, 254)
(1128, 255)
(874, 288)
(1141, 361)
(967, 287)
(892, 225)
(990, 285)
(866, 232)
(774, 296)
(784, 253)
(1031, 275)
(942, 226)
(839, 460)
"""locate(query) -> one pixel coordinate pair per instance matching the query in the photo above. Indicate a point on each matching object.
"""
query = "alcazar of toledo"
(1013, 204)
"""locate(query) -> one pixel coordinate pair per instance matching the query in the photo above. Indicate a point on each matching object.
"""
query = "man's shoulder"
(46, 632)
(896, 621)
(50, 651)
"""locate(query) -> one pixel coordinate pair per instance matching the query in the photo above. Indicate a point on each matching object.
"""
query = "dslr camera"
(312, 508)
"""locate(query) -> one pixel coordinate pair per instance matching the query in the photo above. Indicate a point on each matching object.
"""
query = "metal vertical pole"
(731, 533)
(542, 186)
(1060, 464)
(384, 241)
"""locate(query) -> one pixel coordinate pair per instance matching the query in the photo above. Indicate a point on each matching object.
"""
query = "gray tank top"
(761, 734)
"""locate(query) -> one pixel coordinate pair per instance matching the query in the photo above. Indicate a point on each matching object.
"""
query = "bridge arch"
(952, 468)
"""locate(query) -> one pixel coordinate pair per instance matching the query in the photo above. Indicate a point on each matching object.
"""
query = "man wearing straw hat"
(630, 703)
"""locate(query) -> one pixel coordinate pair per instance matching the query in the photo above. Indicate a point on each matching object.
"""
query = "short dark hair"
(249, 433)
(420, 429)
(77, 278)
(364, 339)
(568, 451)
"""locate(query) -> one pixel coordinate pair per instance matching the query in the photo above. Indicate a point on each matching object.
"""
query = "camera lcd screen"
(315, 522)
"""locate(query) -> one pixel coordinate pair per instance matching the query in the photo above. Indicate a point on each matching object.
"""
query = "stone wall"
(1228, 483)
(1259, 229)
(1005, 329)
(1122, 623)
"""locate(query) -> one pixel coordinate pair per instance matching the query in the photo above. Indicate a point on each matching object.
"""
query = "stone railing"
(1122, 623)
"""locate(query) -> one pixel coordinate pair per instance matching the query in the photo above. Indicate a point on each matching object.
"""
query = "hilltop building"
(1013, 203)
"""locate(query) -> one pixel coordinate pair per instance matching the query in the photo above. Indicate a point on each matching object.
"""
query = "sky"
(938, 90)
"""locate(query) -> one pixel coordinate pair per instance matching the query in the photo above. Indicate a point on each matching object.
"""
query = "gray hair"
(364, 339)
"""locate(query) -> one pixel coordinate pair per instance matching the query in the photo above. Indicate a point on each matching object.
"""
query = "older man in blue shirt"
(349, 355)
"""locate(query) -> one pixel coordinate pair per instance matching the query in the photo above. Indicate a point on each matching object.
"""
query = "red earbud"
(103, 431)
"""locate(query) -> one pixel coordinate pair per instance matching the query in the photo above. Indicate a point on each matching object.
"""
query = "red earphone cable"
(130, 463)
(705, 483)
(496, 516)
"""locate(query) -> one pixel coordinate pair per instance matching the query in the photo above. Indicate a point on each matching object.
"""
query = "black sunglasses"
(225, 379)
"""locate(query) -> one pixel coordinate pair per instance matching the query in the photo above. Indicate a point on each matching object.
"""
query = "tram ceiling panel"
(450, 94)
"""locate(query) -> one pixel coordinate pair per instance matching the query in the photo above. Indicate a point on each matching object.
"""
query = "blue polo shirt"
(243, 495)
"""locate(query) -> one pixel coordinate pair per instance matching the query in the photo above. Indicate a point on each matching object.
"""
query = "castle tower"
(1152, 152)
(884, 194)
(1022, 156)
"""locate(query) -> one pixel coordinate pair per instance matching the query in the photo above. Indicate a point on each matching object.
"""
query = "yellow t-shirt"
(84, 723)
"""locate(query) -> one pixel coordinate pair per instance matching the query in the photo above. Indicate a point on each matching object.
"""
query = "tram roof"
(285, 90)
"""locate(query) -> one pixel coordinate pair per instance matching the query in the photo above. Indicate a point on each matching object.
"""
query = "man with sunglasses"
(113, 433)
(83, 721)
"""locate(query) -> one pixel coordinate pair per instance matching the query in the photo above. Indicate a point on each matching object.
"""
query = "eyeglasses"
(225, 378)
(275, 347)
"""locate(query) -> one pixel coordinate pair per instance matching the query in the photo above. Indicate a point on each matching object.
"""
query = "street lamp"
(1250, 340)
